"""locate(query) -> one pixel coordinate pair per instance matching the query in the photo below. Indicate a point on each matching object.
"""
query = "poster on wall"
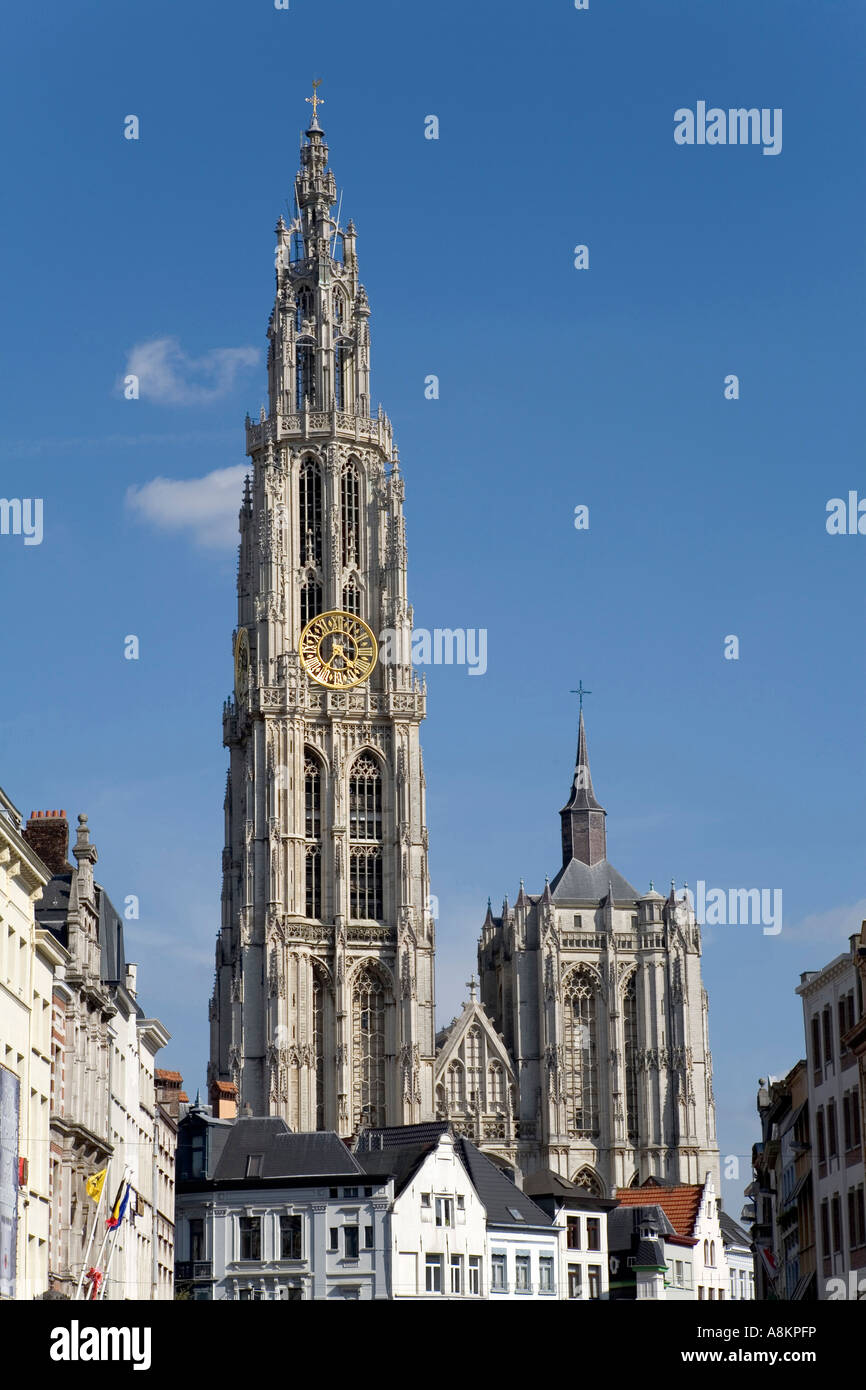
(9, 1100)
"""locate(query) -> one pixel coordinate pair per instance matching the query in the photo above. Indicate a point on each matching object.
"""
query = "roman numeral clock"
(338, 650)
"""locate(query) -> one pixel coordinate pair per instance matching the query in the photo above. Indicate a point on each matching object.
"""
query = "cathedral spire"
(583, 816)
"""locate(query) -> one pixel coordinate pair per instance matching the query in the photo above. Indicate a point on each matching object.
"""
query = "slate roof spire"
(583, 817)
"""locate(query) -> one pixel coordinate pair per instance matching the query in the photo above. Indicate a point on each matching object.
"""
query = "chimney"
(47, 832)
(131, 979)
(224, 1100)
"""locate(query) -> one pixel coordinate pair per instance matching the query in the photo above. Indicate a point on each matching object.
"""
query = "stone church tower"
(589, 1050)
(323, 1000)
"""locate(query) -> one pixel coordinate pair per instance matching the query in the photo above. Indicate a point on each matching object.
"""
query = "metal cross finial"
(580, 692)
(315, 100)
(470, 985)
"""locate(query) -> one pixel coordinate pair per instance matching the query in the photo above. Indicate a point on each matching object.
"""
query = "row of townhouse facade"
(415, 1212)
(78, 1079)
(808, 1198)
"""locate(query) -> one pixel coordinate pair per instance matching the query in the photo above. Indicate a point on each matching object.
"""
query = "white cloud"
(169, 376)
(832, 926)
(206, 507)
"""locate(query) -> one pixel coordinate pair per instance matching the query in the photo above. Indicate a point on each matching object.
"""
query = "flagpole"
(107, 1233)
(108, 1265)
(92, 1235)
(127, 1178)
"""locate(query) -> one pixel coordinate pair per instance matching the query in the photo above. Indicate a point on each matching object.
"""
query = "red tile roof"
(168, 1075)
(679, 1204)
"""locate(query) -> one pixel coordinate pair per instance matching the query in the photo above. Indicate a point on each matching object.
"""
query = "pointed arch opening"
(472, 1054)
(350, 509)
(352, 596)
(310, 514)
(365, 836)
(322, 1023)
(455, 1086)
(580, 1032)
(496, 1085)
(305, 375)
(371, 999)
(313, 792)
(343, 375)
(630, 1056)
(588, 1180)
(305, 311)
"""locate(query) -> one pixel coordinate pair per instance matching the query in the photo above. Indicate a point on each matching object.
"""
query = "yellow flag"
(95, 1185)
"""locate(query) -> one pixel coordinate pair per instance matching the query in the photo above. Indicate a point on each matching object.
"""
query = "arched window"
(319, 1044)
(342, 368)
(352, 596)
(472, 1053)
(305, 377)
(313, 834)
(306, 308)
(310, 514)
(351, 514)
(589, 1182)
(365, 834)
(368, 1037)
(712, 1253)
(455, 1084)
(496, 1084)
(365, 800)
(581, 1053)
(311, 598)
(630, 1038)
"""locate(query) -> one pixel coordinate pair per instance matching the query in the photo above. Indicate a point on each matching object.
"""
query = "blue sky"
(558, 387)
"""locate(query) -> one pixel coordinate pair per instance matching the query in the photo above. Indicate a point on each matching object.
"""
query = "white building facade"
(29, 957)
(832, 1003)
(267, 1215)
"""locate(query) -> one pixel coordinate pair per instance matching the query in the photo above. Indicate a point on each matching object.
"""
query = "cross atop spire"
(580, 692)
(315, 100)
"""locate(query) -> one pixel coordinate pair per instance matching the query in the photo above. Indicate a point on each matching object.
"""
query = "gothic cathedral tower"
(323, 1000)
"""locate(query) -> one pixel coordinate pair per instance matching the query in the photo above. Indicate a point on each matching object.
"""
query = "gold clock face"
(242, 664)
(338, 650)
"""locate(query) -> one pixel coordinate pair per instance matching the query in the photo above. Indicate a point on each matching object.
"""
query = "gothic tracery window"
(455, 1086)
(352, 596)
(305, 376)
(581, 1053)
(342, 368)
(365, 835)
(589, 1182)
(496, 1084)
(630, 1041)
(306, 308)
(313, 835)
(368, 1037)
(319, 1044)
(365, 800)
(472, 1053)
(350, 493)
(310, 514)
